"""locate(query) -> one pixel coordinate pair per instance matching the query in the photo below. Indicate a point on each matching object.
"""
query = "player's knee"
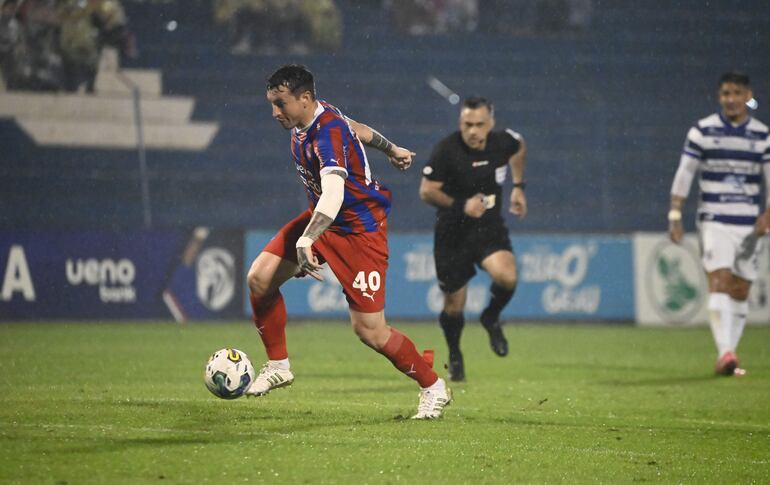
(454, 310)
(454, 307)
(257, 283)
(507, 281)
(720, 281)
(368, 336)
(739, 291)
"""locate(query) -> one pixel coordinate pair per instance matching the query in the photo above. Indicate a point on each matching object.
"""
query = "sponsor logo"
(563, 272)
(501, 174)
(675, 282)
(420, 265)
(325, 296)
(480, 163)
(17, 278)
(113, 278)
(215, 278)
(736, 181)
(475, 302)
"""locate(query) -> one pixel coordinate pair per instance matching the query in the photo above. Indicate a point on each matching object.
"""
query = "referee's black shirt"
(466, 172)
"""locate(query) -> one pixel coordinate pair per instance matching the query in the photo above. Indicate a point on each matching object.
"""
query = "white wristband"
(304, 242)
(674, 215)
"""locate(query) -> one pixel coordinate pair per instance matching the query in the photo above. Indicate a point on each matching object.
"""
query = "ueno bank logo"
(113, 278)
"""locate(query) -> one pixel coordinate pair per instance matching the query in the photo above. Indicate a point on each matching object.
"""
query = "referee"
(464, 179)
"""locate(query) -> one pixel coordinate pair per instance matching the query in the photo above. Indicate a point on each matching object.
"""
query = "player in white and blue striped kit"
(731, 150)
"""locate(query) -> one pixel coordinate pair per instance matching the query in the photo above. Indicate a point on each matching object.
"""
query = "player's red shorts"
(359, 261)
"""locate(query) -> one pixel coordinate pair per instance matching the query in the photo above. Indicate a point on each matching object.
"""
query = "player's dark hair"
(294, 77)
(476, 102)
(735, 77)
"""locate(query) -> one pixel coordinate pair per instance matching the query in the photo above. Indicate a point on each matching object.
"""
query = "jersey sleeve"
(692, 144)
(512, 142)
(692, 154)
(330, 148)
(436, 169)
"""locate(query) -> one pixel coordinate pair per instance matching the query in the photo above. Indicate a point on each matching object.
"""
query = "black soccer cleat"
(456, 367)
(496, 338)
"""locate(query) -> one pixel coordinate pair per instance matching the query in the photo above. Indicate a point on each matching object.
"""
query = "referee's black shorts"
(459, 248)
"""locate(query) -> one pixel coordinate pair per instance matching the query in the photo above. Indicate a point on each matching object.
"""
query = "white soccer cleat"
(270, 377)
(433, 402)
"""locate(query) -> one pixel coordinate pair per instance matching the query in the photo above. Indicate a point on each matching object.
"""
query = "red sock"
(403, 354)
(269, 316)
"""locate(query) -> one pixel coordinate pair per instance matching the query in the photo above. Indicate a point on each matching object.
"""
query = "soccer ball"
(228, 373)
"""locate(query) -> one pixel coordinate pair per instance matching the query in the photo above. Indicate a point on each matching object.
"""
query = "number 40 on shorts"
(364, 283)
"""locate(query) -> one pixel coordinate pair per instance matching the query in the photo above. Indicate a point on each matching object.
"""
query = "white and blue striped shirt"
(731, 160)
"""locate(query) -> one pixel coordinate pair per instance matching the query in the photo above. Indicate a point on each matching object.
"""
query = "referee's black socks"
(452, 325)
(500, 297)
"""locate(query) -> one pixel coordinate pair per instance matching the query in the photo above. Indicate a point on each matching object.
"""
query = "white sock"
(720, 318)
(740, 311)
(439, 384)
(281, 364)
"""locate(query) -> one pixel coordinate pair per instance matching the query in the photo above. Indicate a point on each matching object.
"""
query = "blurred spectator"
(457, 16)
(50, 45)
(579, 14)
(421, 17)
(532, 17)
(262, 26)
(79, 48)
(40, 66)
(277, 26)
(325, 21)
(10, 44)
(410, 16)
(109, 18)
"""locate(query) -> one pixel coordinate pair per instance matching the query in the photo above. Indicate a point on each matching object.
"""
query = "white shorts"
(728, 246)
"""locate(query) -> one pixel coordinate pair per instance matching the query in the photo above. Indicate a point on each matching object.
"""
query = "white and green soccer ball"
(228, 373)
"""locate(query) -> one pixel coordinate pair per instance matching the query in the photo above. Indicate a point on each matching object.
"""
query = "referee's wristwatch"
(520, 185)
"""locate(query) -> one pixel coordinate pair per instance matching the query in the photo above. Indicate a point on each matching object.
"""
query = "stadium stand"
(604, 112)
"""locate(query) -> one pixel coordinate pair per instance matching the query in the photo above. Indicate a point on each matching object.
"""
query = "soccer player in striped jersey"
(345, 226)
(731, 150)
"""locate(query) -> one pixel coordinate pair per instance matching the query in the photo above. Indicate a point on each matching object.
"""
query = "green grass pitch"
(125, 403)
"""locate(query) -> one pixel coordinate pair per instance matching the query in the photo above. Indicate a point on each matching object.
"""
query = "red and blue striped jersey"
(327, 144)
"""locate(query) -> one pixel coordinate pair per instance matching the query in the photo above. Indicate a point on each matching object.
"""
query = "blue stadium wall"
(604, 112)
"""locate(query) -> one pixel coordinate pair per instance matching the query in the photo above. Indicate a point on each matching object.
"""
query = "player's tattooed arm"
(381, 143)
(319, 222)
(332, 194)
(399, 157)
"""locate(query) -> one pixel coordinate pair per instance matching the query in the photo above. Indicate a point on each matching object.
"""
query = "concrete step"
(118, 135)
(175, 110)
(149, 81)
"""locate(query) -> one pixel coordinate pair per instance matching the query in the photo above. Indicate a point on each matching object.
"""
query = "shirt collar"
(731, 124)
(318, 112)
